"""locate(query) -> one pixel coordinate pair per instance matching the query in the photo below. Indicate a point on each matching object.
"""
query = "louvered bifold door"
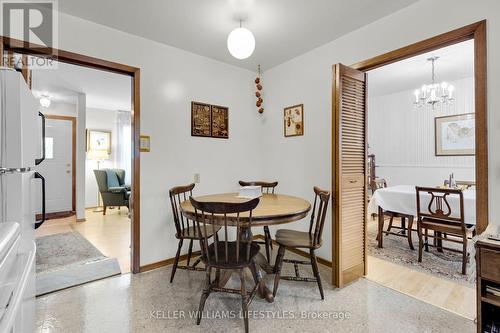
(349, 174)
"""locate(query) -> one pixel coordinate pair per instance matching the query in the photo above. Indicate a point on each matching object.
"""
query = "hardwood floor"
(446, 294)
(109, 233)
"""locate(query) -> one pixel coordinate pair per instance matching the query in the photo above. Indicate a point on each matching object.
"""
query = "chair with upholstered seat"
(114, 191)
(311, 240)
(434, 212)
(185, 229)
(227, 254)
(267, 187)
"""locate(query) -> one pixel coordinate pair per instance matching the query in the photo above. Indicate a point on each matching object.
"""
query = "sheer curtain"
(124, 143)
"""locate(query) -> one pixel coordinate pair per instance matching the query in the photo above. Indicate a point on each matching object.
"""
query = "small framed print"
(293, 120)
(455, 135)
(220, 122)
(99, 140)
(145, 143)
(201, 119)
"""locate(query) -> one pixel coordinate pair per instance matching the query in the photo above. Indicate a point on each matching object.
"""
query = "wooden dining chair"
(185, 229)
(267, 187)
(434, 213)
(228, 254)
(292, 239)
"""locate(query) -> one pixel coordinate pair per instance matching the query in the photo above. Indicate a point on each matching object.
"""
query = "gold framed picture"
(293, 120)
(455, 135)
(99, 140)
(144, 143)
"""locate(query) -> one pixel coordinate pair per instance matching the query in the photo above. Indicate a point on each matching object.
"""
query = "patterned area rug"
(446, 264)
(68, 259)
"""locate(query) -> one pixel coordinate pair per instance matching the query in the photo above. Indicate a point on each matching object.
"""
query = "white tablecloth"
(403, 199)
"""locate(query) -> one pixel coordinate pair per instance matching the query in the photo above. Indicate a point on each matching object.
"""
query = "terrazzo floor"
(147, 302)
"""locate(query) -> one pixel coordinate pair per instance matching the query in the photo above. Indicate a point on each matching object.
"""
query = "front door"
(58, 165)
(349, 174)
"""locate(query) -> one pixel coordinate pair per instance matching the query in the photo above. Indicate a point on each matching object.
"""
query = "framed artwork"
(145, 143)
(293, 120)
(455, 135)
(99, 140)
(201, 119)
(220, 122)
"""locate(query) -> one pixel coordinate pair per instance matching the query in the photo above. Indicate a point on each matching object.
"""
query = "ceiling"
(103, 90)
(283, 29)
(455, 62)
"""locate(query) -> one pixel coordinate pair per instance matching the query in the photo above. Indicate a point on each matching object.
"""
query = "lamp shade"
(241, 43)
(97, 155)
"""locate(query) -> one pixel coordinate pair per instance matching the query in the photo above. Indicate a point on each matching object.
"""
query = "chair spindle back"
(318, 215)
(212, 214)
(179, 194)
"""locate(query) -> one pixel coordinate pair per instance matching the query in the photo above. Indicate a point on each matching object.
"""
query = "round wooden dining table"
(272, 209)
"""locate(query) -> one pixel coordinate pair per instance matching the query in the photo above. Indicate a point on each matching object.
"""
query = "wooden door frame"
(477, 32)
(22, 47)
(73, 154)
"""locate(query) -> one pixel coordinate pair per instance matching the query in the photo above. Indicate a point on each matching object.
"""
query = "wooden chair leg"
(464, 255)
(439, 241)
(427, 240)
(190, 251)
(277, 268)
(244, 299)
(380, 227)
(420, 241)
(104, 210)
(204, 295)
(314, 264)
(410, 227)
(390, 224)
(267, 240)
(176, 261)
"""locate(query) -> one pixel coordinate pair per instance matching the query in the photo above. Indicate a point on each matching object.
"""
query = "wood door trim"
(73, 154)
(477, 32)
(109, 66)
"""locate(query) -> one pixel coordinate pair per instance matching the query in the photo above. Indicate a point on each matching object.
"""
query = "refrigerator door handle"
(39, 223)
(40, 160)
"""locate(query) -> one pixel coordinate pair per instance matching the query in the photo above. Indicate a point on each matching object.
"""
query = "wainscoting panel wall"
(402, 138)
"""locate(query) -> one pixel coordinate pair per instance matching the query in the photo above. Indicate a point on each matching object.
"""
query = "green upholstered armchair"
(112, 196)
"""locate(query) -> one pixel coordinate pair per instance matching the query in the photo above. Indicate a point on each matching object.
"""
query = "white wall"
(170, 80)
(301, 162)
(60, 109)
(402, 138)
(99, 119)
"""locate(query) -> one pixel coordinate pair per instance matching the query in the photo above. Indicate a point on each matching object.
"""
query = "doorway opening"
(351, 141)
(10, 47)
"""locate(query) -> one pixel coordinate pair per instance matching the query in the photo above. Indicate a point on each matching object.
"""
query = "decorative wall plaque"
(201, 119)
(209, 120)
(220, 122)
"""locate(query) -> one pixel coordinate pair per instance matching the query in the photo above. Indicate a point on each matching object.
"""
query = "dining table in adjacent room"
(402, 199)
(273, 209)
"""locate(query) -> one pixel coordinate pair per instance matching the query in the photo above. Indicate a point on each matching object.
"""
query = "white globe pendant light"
(241, 43)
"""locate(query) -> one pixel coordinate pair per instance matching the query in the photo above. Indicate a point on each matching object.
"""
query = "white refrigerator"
(21, 148)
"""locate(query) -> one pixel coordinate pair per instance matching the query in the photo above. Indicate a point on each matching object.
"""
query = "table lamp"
(98, 156)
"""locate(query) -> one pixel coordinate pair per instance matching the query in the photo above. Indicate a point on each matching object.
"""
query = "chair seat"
(192, 232)
(443, 226)
(294, 238)
(231, 261)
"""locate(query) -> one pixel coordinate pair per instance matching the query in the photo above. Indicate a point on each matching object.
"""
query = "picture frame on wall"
(293, 120)
(201, 119)
(455, 135)
(99, 140)
(220, 122)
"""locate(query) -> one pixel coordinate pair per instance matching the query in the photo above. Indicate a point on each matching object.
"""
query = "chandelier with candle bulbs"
(434, 93)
